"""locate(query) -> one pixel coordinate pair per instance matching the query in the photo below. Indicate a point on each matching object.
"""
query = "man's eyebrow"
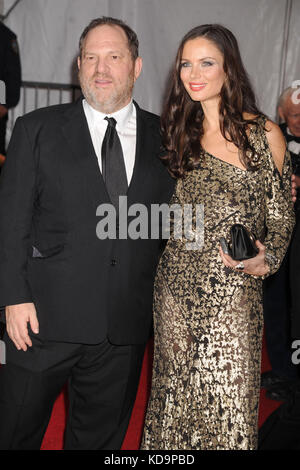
(110, 51)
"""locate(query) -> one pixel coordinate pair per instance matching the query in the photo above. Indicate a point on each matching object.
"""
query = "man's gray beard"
(112, 104)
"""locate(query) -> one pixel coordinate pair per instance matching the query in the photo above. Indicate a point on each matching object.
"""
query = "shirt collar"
(122, 116)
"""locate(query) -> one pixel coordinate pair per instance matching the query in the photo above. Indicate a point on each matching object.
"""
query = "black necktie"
(113, 166)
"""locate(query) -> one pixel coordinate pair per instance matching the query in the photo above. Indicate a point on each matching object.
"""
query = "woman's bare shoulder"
(277, 143)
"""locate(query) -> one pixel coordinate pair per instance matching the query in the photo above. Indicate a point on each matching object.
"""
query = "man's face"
(107, 71)
(290, 113)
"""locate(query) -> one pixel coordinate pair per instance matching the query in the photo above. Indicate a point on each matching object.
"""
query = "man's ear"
(138, 65)
(281, 113)
(78, 62)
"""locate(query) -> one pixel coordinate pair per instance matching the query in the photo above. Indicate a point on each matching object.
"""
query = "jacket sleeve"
(280, 218)
(17, 194)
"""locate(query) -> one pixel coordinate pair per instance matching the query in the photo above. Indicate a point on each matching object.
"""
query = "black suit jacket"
(84, 289)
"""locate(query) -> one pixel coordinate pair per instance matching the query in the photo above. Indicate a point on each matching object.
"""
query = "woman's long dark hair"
(182, 118)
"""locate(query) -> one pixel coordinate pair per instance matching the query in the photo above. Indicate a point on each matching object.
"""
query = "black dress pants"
(103, 381)
(277, 319)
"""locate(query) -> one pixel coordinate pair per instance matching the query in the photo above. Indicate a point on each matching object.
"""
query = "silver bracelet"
(271, 259)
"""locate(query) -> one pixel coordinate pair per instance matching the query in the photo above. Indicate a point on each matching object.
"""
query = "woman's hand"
(256, 266)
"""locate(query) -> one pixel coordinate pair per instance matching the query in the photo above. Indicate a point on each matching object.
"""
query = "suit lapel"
(146, 148)
(78, 136)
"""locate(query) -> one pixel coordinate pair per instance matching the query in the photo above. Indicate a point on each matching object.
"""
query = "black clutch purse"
(242, 244)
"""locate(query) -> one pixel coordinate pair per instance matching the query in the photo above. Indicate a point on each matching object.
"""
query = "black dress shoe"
(269, 379)
(279, 392)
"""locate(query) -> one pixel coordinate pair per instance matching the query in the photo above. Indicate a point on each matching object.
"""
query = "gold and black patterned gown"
(208, 319)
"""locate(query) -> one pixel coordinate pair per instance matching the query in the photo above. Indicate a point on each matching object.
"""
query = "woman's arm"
(280, 217)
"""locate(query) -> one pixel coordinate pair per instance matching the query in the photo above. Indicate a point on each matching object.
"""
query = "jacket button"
(113, 262)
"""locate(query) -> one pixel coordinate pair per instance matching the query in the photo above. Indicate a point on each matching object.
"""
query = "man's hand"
(3, 111)
(296, 179)
(17, 317)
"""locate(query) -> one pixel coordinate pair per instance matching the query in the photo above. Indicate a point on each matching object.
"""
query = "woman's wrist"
(271, 262)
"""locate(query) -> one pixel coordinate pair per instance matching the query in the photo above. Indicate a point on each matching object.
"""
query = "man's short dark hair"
(133, 42)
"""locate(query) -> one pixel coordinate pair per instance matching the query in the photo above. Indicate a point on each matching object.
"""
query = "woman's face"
(201, 70)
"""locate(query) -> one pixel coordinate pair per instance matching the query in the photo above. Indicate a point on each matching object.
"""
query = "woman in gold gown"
(208, 318)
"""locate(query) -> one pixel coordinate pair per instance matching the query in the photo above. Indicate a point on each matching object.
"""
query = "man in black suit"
(282, 379)
(79, 308)
(10, 76)
(292, 117)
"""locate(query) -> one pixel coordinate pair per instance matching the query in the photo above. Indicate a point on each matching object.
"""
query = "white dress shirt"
(125, 127)
(293, 146)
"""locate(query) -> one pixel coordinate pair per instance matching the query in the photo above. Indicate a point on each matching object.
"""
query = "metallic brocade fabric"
(208, 319)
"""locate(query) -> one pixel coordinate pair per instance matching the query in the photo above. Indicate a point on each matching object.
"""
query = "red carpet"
(53, 439)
